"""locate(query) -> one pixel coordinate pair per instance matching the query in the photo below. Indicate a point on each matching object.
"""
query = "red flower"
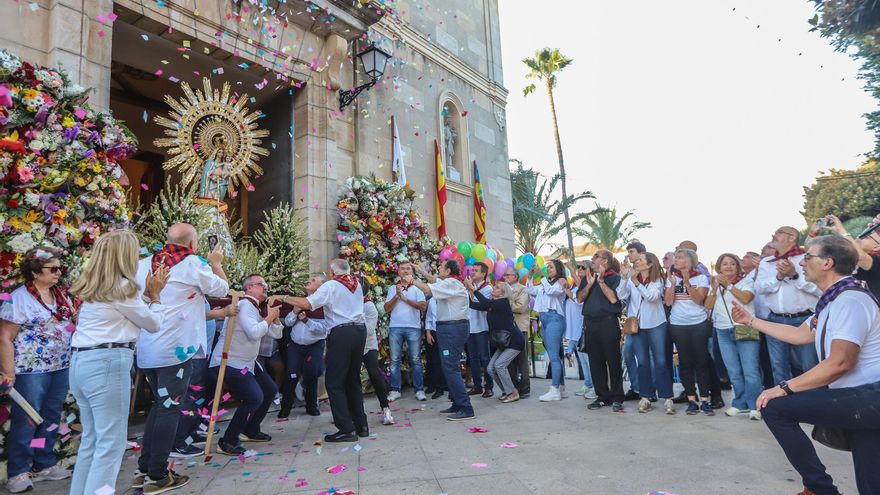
(12, 203)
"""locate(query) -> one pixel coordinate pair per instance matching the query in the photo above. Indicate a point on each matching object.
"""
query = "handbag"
(834, 438)
(632, 324)
(741, 332)
(500, 338)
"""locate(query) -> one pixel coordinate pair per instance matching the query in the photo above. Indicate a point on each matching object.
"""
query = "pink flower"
(5, 98)
(25, 174)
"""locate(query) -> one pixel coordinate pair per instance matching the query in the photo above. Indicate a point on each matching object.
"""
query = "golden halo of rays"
(200, 124)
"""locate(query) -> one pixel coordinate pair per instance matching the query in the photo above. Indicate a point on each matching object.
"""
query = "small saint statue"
(449, 134)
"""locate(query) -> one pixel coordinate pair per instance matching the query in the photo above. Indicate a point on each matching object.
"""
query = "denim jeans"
(851, 409)
(46, 393)
(650, 344)
(256, 391)
(188, 424)
(552, 330)
(632, 365)
(161, 426)
(451, 337)
(585, 366)
(100, 380)
(413, 338)
(478, 354)
(784, 356)
(305, 363)
(743, 367)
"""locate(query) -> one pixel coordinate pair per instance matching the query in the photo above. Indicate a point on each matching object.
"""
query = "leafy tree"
(536, 216)
(845, 193)
(545, 67)
(602, 227)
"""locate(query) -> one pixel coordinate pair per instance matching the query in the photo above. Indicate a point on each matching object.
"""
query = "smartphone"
(213, 240)
(870, 230)
(823, 222)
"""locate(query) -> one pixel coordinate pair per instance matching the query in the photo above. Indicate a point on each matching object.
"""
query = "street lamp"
(373, 60)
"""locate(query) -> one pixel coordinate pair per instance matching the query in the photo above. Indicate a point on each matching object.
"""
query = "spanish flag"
(479, 208)
(441, 191)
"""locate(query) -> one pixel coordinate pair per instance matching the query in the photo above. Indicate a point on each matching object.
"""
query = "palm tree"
(536, 217)
(545, 66)
(606, 230)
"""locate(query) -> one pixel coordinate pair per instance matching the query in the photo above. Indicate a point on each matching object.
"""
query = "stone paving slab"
(561, 449)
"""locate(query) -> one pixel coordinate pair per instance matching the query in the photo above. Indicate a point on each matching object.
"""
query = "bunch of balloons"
(469, 254)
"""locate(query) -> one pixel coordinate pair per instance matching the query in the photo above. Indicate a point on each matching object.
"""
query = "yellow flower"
(79, 181)
(31, 216)
(68, 122)
(30, 93)
(15, 222)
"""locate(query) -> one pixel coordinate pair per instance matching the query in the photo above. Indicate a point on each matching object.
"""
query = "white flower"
(21, 243)
(31, 199)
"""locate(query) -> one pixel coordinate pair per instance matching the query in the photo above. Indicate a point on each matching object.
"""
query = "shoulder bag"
(740, 332)
(834, 438)
(632, 324)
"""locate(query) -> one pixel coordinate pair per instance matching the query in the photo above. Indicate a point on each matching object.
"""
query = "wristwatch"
(796, 276)
(785, 388)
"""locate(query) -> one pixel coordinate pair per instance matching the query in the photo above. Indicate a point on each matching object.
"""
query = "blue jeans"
(585, 366)
(743, 368)
(632, 367)
(451, 337)
(413, 337)
(188, 425)
(161, 426)
(100, 380)
(650, 343)
(783, 355)
(478, 354)
(46, 393)
(256, 391)
(552, 330)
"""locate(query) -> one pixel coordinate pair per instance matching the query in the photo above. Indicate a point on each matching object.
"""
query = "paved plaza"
(530, 447)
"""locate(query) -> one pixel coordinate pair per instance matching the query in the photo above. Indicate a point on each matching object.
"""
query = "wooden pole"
(230, 327)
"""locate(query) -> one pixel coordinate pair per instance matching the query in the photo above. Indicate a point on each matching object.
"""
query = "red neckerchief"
(643, 281)
(171, 255)
(609, 272)
(253, 301)
(404, 285)
(368, 298)
(63, 311)
(795, 251)
(349, 281)
(691, 274)
(484, 284)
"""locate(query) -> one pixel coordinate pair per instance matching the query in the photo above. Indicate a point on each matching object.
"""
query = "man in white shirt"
(478, 340)
(166, 357)
(342, 299)
(843, 390)
(434, 378)
(453, 304)
(761, 311)
(405, 302)
(249, 382)
(790, 299)
(305, 352)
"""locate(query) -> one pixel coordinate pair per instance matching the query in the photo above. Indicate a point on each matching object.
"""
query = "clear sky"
(688, 112)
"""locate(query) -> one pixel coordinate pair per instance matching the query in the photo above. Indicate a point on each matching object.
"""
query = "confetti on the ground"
(479, 465)
(478, 429)
(509, 445)
(361, 468)
(336, 469)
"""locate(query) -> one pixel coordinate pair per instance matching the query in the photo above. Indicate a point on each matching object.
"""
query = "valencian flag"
(441, 191)
(479, 208)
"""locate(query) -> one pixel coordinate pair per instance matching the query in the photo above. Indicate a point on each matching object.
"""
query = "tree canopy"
(845, 193)
(604, 228)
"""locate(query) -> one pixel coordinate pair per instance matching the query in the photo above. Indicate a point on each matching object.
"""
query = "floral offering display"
(59, 171)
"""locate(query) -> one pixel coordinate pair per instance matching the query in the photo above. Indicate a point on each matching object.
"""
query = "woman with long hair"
(646, 286)
(690, 327)
(550, 305)
(110, 320)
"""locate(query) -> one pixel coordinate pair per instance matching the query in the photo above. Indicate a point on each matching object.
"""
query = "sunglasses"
(54, 269)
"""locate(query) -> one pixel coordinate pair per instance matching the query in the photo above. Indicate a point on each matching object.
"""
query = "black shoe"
(461, 416)
(717, 403)
(449, 410)
(707, 409)
(284, 413)
(430, 390)
(198, 439)
(437, 394)
(693, 408)
(488, 393)
(313, 411)
(340, 437)
(631, 395)
(681, 399)
(617, 407)
(186, 452)
(257, 437)
(229, 449)
(596, 404)
(525, 395)
(475, 391)
(364, 432)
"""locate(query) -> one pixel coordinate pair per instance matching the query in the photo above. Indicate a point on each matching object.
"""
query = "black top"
(596, 305)
(871, 277)
(500, 317)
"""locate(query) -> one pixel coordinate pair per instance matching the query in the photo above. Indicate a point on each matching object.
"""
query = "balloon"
(519, 259)
(523, 273)
(544, 271)
(519, 266)
(500, 269)
(459, 258)
(511, 263)
(464, 247)
(451, 247)
(490, 253)
(570, 281)
(478, 251)
(445, 254)
(539, 260)
(490, 265)
(528, 260)
(470, 261)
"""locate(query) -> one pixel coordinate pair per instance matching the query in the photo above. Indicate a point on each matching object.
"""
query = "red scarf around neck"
(691, 274)
(349, 281)
(64, 310)
(171, 255)
(795, 251)
(736, 279)
(643, 280)
(253, 301)
(609, 272)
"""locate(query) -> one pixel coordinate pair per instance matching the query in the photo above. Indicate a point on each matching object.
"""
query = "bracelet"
(752, 321)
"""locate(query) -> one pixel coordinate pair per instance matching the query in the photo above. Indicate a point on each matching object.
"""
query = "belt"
(109, 345)
(599, 318)
(453, 322)
(793, 315)
(347, 325)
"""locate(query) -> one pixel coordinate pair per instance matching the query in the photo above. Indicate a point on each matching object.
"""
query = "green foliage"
(847, 194)
(545, 66)
(174, 205)
(537, 217)
(282, 246)
(602, 227)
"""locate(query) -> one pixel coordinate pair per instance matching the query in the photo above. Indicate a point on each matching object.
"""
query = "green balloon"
(465, 247)
(479, 251)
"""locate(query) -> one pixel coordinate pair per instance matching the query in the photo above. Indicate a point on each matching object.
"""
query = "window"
(454, 139)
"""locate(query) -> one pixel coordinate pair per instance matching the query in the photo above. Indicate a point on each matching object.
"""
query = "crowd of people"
(794, 331)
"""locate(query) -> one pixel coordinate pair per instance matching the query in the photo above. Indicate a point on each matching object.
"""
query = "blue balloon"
(529, 260)
(470, 262)
(523, 272)
(492, 254)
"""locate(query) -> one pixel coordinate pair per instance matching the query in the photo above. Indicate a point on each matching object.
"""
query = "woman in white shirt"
(690, 328)
(645, 289)
(550, 305)
(371, 356)
(740, 354)
(110, 321)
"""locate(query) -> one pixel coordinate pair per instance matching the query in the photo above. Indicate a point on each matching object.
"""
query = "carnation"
(21, 243)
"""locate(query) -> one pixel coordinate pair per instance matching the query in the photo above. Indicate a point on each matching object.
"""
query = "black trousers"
(603, 348)
(433, 366)
(305, 363)
(371, 363)
(692, 342)
(519, 369)
(345, 355)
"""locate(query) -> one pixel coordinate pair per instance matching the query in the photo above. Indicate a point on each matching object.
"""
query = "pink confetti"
(479, 465)
(112, 16)
(478, 429)
(301, 482)
(38, 443)
(5, 296)
(79, 113)
(509, 445)
(336, 469)
(100, 18)
(245, 370)
(250, 187)
(361, 469)
(158, 72)
(100, 34)
(227, 396)
(145, 187)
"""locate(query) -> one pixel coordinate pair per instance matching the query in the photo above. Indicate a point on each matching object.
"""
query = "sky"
(706, 118)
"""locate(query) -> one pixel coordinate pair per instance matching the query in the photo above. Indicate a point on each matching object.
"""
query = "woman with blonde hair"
(110, 321)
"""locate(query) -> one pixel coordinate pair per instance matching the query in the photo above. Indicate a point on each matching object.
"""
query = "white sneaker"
(53, 473)
(420, 396)
(20, 483)
(755, 415)
(645, 405)
(581, 391)
(387, 419)
(669, 406)
(393, 395)
(590, 394)
(733, 411)
(551, 395)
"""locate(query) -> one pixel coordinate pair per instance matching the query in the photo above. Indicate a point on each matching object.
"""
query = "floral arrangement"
(59, 171)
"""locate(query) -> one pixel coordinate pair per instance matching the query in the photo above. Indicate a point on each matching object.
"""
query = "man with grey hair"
(342, 299)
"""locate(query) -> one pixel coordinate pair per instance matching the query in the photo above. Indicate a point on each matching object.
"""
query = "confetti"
(145, 187)
(34, 6)
(38, 443)
(145, 37)
(52, 427)
(162, 392)
(227, 396)
(479, 465)
(509, 445)
(361, 469)
(336, 469)
(105, 490)
(79, 113)
(478, 429)
(146, 116)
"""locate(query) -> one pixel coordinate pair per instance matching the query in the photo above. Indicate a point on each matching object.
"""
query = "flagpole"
(393, 137)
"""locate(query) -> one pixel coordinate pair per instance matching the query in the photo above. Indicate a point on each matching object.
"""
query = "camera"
(870, 230)
(824, 222)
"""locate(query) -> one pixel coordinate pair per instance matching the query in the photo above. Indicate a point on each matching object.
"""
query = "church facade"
(289, 59)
